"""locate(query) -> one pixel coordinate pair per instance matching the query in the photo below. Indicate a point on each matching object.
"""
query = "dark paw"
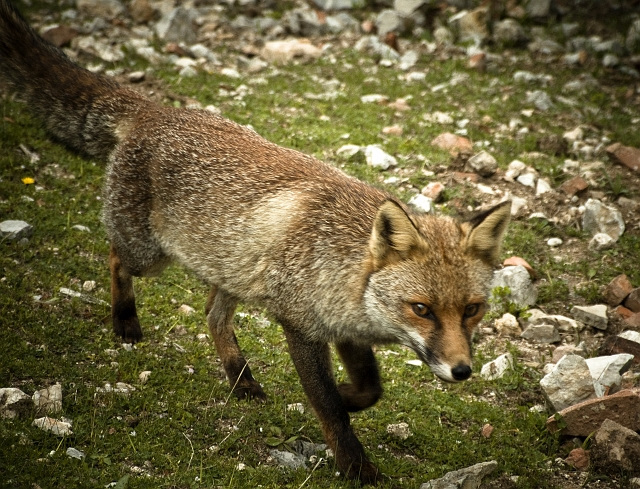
(357, 400)
(128, 329)
(251, 391)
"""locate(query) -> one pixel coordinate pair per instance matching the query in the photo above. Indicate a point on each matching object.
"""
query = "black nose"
(461, 372)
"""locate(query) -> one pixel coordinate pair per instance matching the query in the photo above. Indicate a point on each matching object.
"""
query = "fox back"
(333, 259)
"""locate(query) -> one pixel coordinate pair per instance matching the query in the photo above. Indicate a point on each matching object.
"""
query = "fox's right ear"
(393, 236)
(486, 230)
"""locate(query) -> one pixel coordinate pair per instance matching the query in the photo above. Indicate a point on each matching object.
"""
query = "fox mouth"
(440, 369)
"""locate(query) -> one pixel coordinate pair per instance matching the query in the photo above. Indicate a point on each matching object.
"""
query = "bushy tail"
(78, 107)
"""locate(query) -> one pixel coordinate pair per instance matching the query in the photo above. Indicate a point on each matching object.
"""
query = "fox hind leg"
(220, 310)
(123, 301)
(365, 388)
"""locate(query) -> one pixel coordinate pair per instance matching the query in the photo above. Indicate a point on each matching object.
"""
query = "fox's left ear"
(393, 236)
(485, 231)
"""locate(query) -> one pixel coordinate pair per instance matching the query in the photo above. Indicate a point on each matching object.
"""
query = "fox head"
(429, 282)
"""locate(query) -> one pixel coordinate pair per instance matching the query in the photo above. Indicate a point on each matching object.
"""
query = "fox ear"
(393, 236)
(485, 231)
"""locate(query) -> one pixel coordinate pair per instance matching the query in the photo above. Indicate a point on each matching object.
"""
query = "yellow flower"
(28, 181)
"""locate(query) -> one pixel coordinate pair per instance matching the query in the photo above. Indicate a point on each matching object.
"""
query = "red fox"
(333, 259)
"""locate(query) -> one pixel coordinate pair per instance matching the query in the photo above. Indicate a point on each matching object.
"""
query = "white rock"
(15, 229)
(595, 316)
(75, 453)
(483, 164)
(522, 291)
(422, 203)
(607, 370)
(408, 60)
(12, 401)
(144, 376)
(399, 430)
(348, 151)
(496, 369)
(288, 50)
(297, 406)
(467, 478)
(630, 335)
(569, 383)
(378, 158)
(81, 228)
(543, 186)
(89, 285)
(517, 204)
(186, 309)
(601, 241)
(178, 25)
(374, 98)
(574, 135)
(58, 428)
(48, 400)
(601, 218)
(527, 179)
(508, 325)
(554, 242)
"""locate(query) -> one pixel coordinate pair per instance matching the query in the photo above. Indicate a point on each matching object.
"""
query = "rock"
(578, 459)
(453, 143)
(625, 155)
(509, 32)
(483, 164)
(375, 46)
(497, 368)
(513, 261)
(288, 460)
(337, 4)
(595, 316)
(422, 203)
(471, 25)
(75, 453)
(58, 428)
(574, 186)
(349, 151)
(538, 8)
(632, 41)
(400, 430)
(49, 400)
(186, 310)
(630, 335)
(569, 383)
(563, 323)
(106, 9)
(622, 344)
(601, 218)
(13, 402)
(543, 186)
(15, 230)
(59, 35)
(178, 26)
(408, 60)
(508, 325)
(408, 7)
(443, 36)
(586, 417)
(617, 290)
(540, 99)
(389, 20)
(467, 478)
(633, 321)
(527, 179)
(144, 376)
(541, 333)
(288, 50)
(632, 301)
(607, 370)
(616, 448)
(574, 135)
(515, 168)
(522, 291)
(554, 242)
(307, 449)
(601, 241)
(120, 388)
(141, 11)
(433, 190)
(378, 158)
(563, 350)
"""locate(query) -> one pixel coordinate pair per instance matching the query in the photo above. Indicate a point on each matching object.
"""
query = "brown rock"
(584, 418)
(625, 155)
(623, 312)
(453, 143)
(433, 190)
(141, 11)
(392, 130)
(616, 448)
(578, 458)
(574, 186)
(633, 320)
(487, 430)
(462, 176)
(60, 35)
(514, 261)
(632, 301)
(619, 288)
(614, 344)
(478, 62)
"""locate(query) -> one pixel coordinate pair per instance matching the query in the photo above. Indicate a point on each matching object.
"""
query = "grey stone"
(443, 36)
(13, 402)
(378, 158)
(338, 4)
(563, 323)
(601, 241)
(527, 179)
(57, 427)
(632, 42)
(542, 333)
(408, 7)
(390, 21)
(288, 460)
(522, 290)
(540, 99)
(341, 22)
(373, 45)
(307, 449)
(399, 430)
(75, 453)
(178, 26)
(569, 383)
(538, 8)
(107, 9)
(497, 368)
(422, 203)
(630, 335)
(607, 370)
(483, 164)
(601, 218)
(408, 60)
(471, 25)
(616, 448)
(467, 478)
(610, 60)
(15, 229)
(509, 32)
(49, 400)
(595, 316)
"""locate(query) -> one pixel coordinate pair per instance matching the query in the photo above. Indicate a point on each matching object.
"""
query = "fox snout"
(456, 373)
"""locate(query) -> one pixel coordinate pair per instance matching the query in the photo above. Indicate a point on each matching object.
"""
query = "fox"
(336, 261)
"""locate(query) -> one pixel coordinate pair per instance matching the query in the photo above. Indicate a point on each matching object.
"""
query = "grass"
(182, 428)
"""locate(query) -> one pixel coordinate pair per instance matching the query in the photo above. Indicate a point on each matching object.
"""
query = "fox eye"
(421, 310)
(471, 310)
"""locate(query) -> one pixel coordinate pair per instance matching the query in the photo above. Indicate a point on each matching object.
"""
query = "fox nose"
(461, 372)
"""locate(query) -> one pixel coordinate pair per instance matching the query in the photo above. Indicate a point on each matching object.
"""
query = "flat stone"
(574, 186)
(625, 155)
(617, 290)
(632, 302)
(607, 370)
(625, 342)
(595, 316)
(541, 333)
(14, 229)
(563, 350)
(601, 218)
(378, 158)
(497, 368)
(569, 383)
(615, 449)
(467, 478)
(586, 417)
(57, 427)
(483, 164)
(453, 143)
(286, 51)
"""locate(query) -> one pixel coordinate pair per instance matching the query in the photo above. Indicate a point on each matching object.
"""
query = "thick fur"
(334, 259)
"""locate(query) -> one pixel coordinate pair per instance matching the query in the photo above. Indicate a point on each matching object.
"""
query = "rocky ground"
(578, 184)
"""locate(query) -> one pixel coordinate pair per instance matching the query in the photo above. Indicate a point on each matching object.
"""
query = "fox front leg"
(220, 310)
(123, 301)
(365, 388)
(313, 363)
